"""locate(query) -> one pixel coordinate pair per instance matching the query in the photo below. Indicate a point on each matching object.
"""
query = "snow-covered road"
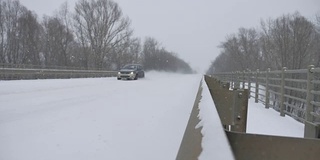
(102, 118)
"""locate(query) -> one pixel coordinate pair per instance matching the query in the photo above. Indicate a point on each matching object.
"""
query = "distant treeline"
(290, 41)
(95, 35)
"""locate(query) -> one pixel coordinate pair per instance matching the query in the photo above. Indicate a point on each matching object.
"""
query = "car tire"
(118, 78)
(136, 77)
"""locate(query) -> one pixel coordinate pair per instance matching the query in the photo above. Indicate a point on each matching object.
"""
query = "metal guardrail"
(232, 105)
(24, 73)
(291, 92)
(232, 109)
(30, 66)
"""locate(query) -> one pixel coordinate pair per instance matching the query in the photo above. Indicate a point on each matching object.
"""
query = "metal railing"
(31, 66)
(44, 73)
(291, 92)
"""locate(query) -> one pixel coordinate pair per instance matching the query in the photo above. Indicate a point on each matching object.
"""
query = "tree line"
(290, 41)
(95, 35)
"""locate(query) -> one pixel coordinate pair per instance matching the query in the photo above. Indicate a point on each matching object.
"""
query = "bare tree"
(287, 41)
(65, 17)
(223, 63)
(303, 41)
(57, 38)
(158, 58)
(249, 48)
(233, 48)
(29, 38)
(317, 42)
(128, 51)
(3, 29)
(13, 10)
(100, 26)
(268, 46)
(150, 48)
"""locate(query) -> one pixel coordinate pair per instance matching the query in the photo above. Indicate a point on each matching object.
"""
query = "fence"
(11, 72)
(291, 92)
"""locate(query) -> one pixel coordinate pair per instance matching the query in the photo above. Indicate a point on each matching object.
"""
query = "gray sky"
(194, 28)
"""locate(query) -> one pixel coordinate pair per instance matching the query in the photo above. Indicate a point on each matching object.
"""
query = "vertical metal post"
(237, 81)
(249, 83)
(232, 80)
(282, 106)
(243, 79)
(257, 87)
(310, 86)
(267, 89)
(221, 76)
(228, 77)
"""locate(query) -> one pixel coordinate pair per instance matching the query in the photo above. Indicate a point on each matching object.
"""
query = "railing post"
(243, 79)
(282, 106)
(267, 89)
(237, 81)
(249, 83)
(229, 77)
(232, 80)
(310, 86)
(257, 87)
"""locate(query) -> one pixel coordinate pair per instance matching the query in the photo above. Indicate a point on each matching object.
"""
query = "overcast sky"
(193, 28)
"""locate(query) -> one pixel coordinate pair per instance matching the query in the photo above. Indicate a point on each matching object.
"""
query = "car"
(131, 72)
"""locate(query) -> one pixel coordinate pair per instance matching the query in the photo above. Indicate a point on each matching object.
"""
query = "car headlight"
(132, 73)
(119, 72)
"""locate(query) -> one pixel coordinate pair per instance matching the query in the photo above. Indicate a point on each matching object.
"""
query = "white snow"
(269, 122)
(214, 141)
(102, 118)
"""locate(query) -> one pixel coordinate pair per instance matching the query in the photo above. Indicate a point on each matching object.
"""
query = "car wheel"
(136, 77)
(118, 78)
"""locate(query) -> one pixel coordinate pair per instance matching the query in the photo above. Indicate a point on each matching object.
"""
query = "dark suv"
(131, 71)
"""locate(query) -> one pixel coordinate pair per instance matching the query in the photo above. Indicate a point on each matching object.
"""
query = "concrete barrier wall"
(190, 147)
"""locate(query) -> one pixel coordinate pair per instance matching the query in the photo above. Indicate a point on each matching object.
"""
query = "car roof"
(133, 65)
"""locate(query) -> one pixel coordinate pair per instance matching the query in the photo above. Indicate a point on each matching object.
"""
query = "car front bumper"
(126, 76)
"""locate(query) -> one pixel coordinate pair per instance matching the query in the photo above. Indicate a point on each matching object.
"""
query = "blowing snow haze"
(193, 29)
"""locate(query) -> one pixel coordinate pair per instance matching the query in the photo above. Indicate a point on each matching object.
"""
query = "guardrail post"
(267, 89)
(282, 105)
(309, 108)
(257, 87)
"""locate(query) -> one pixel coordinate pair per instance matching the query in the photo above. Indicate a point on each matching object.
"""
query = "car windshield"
(130, 67)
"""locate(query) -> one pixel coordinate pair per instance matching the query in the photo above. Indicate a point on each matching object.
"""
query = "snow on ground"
(97, 118)
(268, 121)
(102, 118)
